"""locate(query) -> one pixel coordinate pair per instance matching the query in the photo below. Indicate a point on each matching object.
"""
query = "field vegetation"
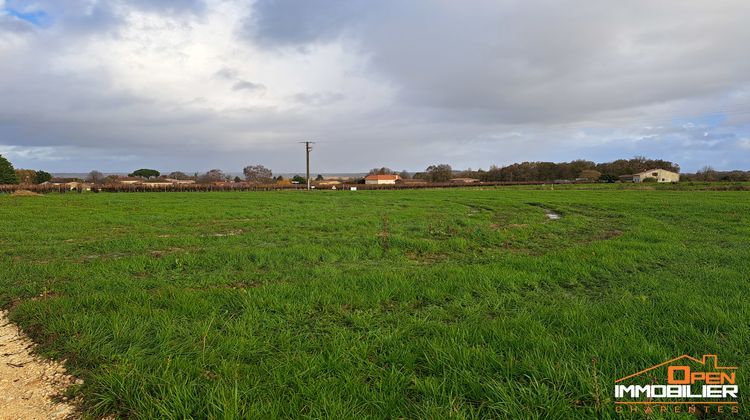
(463, 303)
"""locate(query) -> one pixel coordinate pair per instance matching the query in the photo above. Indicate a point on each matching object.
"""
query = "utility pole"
(308, 149)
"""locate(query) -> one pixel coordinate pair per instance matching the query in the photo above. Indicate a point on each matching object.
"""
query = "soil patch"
(30, 388)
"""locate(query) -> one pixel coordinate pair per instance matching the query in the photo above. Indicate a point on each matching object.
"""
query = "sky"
(192, 85)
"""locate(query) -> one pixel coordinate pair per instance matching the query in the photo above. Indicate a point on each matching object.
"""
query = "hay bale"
(25, 193)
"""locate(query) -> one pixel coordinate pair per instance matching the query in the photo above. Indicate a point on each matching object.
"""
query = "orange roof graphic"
(703, 361)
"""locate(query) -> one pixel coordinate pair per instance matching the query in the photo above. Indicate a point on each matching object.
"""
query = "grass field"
(462, 303)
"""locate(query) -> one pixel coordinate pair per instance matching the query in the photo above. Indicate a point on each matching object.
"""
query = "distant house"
(464, 180)
(157, 183)
(71, 183)
(661, 175)
(129, 180)
(381, 179)
(180, 181)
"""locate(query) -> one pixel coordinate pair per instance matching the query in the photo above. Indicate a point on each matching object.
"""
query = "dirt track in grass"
(30, 388)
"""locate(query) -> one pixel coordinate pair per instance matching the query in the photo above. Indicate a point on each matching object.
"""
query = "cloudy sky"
(198, 84)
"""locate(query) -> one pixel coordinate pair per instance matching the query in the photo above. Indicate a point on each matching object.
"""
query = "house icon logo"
(681, 385)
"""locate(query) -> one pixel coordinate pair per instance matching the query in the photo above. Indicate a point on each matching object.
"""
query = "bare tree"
(257, 173)
(214, 175)
(95, 177)
(707, 173)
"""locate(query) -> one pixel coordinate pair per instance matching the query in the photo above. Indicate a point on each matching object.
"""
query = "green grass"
(463, 303)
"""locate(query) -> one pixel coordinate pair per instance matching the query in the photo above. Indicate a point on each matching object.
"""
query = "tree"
(95, 177)
(237, 179)
(42, 177)
(382, 171)
(404, 175)
(590, 174)
(707, 173)
(440, 173)
(7, 173)
(181, 176)
(25, 176)
(319, 177)
(609, 178)
(299, 180)
(257, 173)
(214, 175)
(146, 173)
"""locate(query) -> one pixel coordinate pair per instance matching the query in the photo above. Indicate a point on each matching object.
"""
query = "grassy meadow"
(456, 303)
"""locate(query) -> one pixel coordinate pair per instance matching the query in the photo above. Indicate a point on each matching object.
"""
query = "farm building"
(661, 175)
(381, 179)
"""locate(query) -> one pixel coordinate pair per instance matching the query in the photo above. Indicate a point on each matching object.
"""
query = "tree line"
(517, 172)
(576, 169)
(541, 171)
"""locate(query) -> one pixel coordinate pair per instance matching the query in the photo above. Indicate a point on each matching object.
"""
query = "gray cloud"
(245, 85)
(531, 62)
(318, 98)
(414, 83)
(279, 23)
(11, 24)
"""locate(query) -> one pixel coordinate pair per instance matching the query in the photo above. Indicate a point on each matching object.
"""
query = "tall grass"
(460, 303)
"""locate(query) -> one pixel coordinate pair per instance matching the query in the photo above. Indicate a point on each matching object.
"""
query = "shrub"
(42, 177)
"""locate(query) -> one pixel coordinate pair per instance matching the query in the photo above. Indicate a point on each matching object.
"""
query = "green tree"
(299, 179)
(382, 171)
(609, 178)
(146, 173)
(319, 177)
(7, 173)
(440, 173)
(42, 177)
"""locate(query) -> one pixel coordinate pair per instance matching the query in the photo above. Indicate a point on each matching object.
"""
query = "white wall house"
(661, 175)
(381, 179)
